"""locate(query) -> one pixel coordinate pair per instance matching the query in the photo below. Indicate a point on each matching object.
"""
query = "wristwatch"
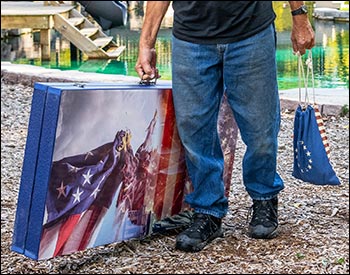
(301, 10)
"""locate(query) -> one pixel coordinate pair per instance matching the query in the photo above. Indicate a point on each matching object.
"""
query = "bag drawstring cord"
(301, 73)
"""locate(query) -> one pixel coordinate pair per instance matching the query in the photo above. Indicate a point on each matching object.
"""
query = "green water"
(330, 55)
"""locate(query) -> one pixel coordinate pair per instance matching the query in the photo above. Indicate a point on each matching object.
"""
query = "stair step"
(103, 41)
(76, 21)
(89, 39)
(88, 32)
(114, 52)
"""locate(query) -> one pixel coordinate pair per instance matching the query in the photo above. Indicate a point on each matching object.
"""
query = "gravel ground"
(314, 220)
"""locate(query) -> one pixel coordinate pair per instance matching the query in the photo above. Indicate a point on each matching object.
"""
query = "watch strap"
(301, 10)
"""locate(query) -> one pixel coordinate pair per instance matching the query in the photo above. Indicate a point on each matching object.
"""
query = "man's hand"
(146, 64)
(302, 35)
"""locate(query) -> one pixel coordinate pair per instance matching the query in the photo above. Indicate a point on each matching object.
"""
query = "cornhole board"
(103, 163)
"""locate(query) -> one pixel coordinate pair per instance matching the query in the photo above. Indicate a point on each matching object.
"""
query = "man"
(224, 46)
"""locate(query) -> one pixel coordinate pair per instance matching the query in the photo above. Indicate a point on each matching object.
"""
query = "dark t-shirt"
(215, 22)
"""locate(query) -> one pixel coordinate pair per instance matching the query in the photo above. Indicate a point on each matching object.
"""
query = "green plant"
(344, 110)
(341, 261)
(300, 255)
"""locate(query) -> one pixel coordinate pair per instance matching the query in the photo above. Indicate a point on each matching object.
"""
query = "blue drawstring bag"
(310, 143)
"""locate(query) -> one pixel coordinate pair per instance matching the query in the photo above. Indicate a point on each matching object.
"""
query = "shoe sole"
(272, 235)
(198, 247)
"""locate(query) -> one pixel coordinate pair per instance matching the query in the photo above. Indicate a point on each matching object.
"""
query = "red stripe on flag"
(93, 221)
(65, 231)
(169, 125)
(180, 180)
(322, 129)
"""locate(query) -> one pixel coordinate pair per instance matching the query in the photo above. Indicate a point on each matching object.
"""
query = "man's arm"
(147, 59)
(302, 34)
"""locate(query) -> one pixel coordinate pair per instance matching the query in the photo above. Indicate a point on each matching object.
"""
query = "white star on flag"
(88, 154)
(72, 168)
(308, 165)
(96, 190)
(87, 177)
(77, 195)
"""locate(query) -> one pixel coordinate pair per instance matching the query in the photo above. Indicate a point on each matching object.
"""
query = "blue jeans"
(246, 70)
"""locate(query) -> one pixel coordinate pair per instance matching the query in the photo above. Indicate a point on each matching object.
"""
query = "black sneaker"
(203, 230)
(264, 222)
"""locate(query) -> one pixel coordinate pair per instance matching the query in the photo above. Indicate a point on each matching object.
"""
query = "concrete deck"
(330, 101)
(331, 96)
(30, 8)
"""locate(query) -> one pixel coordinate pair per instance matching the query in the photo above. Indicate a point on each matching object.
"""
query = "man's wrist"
(299, 11)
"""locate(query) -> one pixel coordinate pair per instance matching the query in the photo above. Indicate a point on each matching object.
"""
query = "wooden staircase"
(85, 35)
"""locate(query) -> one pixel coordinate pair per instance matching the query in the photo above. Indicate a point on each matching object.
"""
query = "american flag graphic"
(311, 148)
(137, 188)
(117, 167)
